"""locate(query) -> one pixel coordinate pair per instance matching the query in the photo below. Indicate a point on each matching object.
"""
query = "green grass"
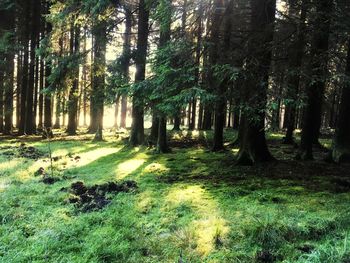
(191, 203)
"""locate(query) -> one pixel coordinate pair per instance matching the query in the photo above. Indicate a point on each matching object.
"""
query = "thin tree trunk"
(126, 64)
(25, 22)
(137, 129)
(73, 99)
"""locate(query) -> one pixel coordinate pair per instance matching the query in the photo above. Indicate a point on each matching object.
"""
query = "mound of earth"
(22, 151)
(96, 197)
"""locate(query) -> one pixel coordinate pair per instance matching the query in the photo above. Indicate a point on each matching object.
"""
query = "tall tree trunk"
(73, 96)
(2, 78)
(8, 99)
(253, 147)
(30, 126)
(126, 64)
(217, 55)
(99, 75)
(8, 72)
(296, 53)
(315, 90)
(24, 23)
(137, 129)
(341, 143)
(18, 86)
(41, 95)
(165, 34)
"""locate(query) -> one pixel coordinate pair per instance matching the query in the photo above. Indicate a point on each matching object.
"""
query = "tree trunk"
(217, 56)
(177, 121)
(341, 143)
(9, 69)
(2, 77)
(73, 96)
(58, 111)
(30, 126)
(8, 102)
(41, 95)
(137, 129)
(18, 86)
(154, 128)
(162, 142)
(126, 64)
(253, 147)
(200, 116)
(207, 118)
(116, 111)
(24, 22)
(315, 90)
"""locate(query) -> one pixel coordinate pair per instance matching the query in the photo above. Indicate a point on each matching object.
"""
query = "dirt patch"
(50, 179)
(22, 151)
(87, 199)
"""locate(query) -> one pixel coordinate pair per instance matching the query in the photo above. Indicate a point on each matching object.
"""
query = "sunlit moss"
(127, 167)
(156, 167)
(210, 228)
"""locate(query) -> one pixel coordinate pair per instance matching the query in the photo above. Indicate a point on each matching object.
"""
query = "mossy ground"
(191, 205)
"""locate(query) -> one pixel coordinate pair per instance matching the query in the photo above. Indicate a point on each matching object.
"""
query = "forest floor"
(106, 202)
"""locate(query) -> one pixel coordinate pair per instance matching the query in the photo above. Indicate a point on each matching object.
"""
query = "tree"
(126, 56)
(295, 56)
(24, 17)
(165, 34)
(252, 146)
(73, 93)
(137, 129)
(7, 53)
(219, 47)
(341, 143)
(315, 90)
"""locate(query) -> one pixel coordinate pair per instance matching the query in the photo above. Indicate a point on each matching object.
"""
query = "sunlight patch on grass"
(156, 168)
(3, 185)
(126, 168)
(210, 229)
(93, 155)
(9, 164)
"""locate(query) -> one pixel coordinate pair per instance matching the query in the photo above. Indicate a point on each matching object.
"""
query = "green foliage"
(173, 82)
(117, 82)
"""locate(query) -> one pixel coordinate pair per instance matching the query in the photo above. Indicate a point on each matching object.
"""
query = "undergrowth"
(191, 205)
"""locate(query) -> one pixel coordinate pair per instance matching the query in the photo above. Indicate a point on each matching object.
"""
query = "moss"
(191, 204)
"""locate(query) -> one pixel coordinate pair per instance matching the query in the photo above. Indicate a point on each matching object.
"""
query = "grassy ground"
(191, 205)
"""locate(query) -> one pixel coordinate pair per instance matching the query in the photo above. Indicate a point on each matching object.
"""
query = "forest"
(175, 131)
